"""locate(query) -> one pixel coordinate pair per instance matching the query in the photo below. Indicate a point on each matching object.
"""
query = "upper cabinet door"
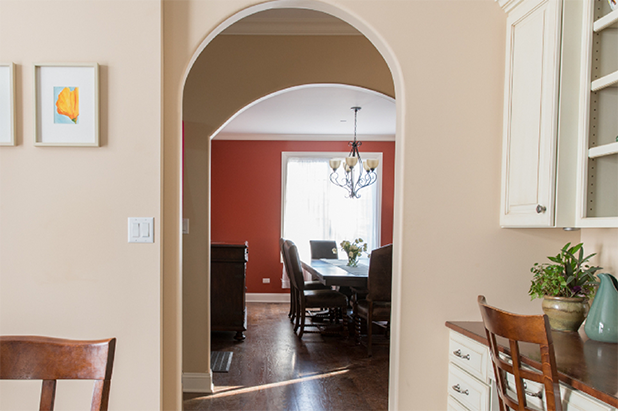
(530, 114)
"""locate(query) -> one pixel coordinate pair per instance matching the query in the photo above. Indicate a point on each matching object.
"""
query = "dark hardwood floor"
(274, 370)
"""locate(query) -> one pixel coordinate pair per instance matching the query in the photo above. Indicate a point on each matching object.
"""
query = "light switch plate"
(141, 229)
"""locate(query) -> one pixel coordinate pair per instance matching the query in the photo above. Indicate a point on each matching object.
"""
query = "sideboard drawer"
(469, 355)
(468, 390)
(535, 392)
(573, 400)
(453, 405)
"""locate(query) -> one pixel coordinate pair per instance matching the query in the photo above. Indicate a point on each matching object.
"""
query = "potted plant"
(565, 285)
(353, 250)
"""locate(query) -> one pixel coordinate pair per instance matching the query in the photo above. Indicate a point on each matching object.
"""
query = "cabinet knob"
(540, 209)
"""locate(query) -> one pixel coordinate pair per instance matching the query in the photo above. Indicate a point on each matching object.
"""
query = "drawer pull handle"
(529, 393)
(457, 388)
(532, 394)
(460, 355)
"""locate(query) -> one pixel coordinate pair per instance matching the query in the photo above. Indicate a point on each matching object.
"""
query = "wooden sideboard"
(584, 366)
(227, 288)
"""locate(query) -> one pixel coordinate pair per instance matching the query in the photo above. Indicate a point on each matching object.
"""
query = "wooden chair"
(525, 328)
(323, 249)
(377, 304)
(308, 298)
(308, 285)
(52, 359)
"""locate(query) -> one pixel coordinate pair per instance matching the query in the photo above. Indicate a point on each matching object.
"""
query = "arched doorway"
(384, 52)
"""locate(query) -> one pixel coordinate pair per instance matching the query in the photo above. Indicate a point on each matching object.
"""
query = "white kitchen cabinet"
(531, 113)
(471, 383)
(542, 138)
(597, 203)
(469, 379)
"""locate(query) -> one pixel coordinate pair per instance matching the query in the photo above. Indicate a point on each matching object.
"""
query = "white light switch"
(185, 226)
(141, 230)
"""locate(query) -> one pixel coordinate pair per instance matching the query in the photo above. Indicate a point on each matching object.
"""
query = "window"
(315, 209)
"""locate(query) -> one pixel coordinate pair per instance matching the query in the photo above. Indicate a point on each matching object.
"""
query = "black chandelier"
(352, 166)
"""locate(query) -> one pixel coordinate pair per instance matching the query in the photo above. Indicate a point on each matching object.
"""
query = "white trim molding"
(197, 382)
(268, 298)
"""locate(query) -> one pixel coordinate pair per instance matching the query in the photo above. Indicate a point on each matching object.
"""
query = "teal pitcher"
(602, 322)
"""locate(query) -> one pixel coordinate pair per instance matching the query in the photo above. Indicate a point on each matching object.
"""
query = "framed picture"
(7, 104)
(66, 104)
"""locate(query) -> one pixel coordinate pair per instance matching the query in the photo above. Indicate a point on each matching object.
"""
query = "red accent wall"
(246, 199)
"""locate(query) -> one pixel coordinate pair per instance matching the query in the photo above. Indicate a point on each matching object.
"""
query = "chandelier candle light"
(354, 164)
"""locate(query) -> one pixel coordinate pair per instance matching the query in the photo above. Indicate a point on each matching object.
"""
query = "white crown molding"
(197, 382)
(290, 27)
(508, 5)
(302, 137)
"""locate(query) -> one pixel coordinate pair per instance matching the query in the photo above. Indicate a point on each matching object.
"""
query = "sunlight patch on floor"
(226, 391)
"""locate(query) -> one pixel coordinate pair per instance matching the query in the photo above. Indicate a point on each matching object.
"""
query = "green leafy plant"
(568, 276)
(353, 250)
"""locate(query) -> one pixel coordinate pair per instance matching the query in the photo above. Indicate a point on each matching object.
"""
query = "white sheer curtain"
(316, 209)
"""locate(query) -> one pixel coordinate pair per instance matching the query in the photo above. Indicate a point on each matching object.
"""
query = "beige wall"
(234, 71)
(66, 268)
(230, 73)
(604, 242)
(449, 94)
(196, 250)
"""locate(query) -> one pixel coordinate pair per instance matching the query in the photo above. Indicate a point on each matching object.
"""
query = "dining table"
(331, 272)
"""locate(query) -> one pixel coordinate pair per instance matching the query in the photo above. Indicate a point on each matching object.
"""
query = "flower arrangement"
(568, 276)
(353, 250)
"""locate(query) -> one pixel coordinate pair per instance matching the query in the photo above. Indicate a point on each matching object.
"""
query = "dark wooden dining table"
(336, 273)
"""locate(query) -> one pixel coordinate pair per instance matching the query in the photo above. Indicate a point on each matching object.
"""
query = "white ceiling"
(306, 111)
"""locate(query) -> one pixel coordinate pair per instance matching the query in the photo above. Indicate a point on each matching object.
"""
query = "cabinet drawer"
(472, 393)
(572, 400)
(469, 355)
(453, 405)
(578, 401)
(535, 392)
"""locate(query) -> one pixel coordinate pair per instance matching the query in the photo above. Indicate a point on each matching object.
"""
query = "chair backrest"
(525, 328)
(323, 249)
(51, 359)
(286, 261)
(379, 280)
(294, 264)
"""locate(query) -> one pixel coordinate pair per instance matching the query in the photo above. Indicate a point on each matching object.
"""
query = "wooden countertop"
(586, 365)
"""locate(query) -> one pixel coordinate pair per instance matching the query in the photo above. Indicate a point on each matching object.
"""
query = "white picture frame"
(7, 104)
(66, 102)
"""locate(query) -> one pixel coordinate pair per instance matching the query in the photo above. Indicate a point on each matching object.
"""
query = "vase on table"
(602, 322)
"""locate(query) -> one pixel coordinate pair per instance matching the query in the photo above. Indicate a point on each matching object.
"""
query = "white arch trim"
(347, 15)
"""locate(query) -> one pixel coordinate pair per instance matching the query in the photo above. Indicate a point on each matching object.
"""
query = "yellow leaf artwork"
(67, 103)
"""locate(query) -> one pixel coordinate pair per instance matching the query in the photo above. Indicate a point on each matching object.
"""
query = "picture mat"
(85, 131)
(6, 105)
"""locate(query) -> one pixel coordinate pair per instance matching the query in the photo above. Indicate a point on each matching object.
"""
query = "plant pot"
(565, 314)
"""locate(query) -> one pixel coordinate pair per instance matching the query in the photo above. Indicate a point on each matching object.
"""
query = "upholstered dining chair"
(323, 249)
(521, 328)
(308, 285)
(377, 304)
(51, 359)
(307, 298)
